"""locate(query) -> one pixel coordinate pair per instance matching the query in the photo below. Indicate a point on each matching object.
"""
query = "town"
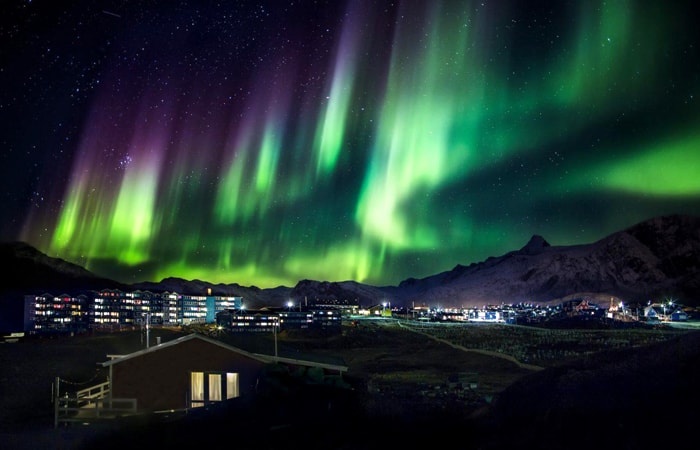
(112, 309)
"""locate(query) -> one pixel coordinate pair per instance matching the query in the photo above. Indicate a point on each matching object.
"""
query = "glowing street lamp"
(289, 305)
(386, 313)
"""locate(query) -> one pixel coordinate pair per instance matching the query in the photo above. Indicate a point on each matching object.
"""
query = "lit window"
(213, 387)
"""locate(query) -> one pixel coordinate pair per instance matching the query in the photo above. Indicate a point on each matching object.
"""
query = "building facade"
(62, 313)
(267, 320)
(114, 309)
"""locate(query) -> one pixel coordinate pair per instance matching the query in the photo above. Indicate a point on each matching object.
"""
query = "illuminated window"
(206, 387)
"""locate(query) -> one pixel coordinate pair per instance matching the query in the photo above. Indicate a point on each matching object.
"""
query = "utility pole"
(274, 332)
(148, 339)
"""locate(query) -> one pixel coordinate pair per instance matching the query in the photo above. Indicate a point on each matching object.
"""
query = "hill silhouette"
(655, 259)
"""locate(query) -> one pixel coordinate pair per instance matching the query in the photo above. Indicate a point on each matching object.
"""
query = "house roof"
(115, 359)
(120, 358)
(304, 362)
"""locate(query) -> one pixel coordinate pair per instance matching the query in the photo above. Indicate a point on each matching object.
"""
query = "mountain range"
(653, 260)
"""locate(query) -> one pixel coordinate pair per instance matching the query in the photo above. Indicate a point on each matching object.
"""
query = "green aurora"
(358, 141)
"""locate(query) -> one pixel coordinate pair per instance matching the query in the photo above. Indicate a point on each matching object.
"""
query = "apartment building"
(113, 309)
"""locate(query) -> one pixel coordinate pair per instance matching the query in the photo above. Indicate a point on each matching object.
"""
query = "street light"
(289, 305)
(275, 324)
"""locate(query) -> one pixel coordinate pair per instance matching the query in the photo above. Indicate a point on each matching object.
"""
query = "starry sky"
(266, 142)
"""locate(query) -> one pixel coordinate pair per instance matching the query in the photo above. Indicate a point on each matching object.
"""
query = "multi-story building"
(105, 309)
(46, 313)
(283, 319)
(192, 309)
(113, 308)
(244, 320)
(327, 319)
(221, 304)
(292, 319)
(169, 308)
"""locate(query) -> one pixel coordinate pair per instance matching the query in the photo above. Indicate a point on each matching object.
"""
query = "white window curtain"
(197, 388)
(215, 387)
(232, 385)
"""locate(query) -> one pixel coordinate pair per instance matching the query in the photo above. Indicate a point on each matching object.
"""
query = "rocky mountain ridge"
(656, 258)
(652, 260)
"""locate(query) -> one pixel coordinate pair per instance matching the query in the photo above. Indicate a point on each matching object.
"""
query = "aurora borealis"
(263, 143)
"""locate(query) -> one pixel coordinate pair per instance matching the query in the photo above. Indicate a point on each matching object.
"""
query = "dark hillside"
(637, 399)
(28, 271)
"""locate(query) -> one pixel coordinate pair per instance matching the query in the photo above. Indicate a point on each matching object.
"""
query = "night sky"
(262, 143)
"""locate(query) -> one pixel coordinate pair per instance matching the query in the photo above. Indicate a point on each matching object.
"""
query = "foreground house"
(184, 373)
(188, 372)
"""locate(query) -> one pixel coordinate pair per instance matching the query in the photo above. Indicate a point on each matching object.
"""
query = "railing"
(93, 392)
(91, 404)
